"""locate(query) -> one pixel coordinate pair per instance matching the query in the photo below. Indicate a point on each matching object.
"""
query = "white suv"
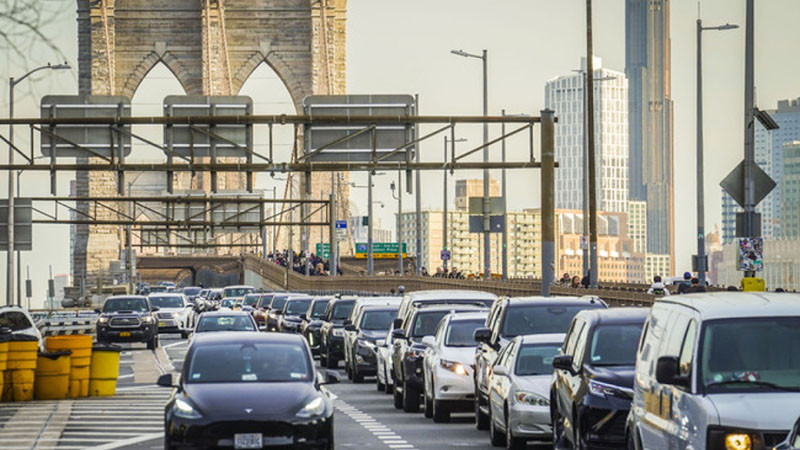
(175, 313)
(19, 321)
(717, 370)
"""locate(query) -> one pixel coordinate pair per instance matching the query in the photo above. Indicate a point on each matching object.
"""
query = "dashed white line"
(382, 432)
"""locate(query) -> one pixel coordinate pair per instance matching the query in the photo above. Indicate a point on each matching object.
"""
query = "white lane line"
(382, 432)
(175, 344)
(131, 441)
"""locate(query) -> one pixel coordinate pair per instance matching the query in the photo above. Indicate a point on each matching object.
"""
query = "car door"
(563, 378)
(686, 426)
(433, 355)
(652, 426)
(498, 384)
(485, 354)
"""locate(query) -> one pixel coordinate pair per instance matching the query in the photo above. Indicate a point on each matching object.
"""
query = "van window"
(687, 350)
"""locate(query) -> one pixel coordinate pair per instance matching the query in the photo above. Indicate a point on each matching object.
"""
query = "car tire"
(152, 344)
(410, 399)
(184, 334)
(398, 398)
(513, 443)
(389, 388)
(357, 377)
(497, 438)
(380, 386)
(481, 419)
(428, 406)
(441, 412)
(330, 361)
(322, 360)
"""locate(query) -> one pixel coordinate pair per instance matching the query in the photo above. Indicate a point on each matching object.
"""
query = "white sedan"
(448, 366)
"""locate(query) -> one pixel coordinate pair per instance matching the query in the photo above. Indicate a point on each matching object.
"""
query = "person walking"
(658, 288)
(686, 283)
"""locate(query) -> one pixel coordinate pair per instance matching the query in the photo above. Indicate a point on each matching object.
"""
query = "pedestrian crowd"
(300, 261)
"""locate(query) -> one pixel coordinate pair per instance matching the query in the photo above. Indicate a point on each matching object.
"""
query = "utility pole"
(505, 204)
(548, 200)
(370, 263)
(487, 255)
(444, 204)
(593, 267)
(418, 193)
(399, 215)
(749, 129)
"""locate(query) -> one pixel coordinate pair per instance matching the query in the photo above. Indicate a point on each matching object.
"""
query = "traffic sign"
(23, 225)
(445, 255)
(85, 140)
(323, 250)
(341, 230)
(380, 250)
(232, 140)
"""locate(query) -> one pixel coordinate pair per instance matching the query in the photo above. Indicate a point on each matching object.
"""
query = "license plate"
(248, 440)
(162, 324)
(124, 334)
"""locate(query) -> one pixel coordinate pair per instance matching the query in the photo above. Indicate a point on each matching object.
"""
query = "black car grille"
(124, 322)
(164, 315)
(774, 438)
(269, 429)
(613, 428)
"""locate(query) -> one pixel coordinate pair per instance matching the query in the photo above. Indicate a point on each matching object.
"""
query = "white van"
(717, 370)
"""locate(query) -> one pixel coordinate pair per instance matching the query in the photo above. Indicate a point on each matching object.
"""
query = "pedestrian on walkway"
(658, 288)
(686, 283)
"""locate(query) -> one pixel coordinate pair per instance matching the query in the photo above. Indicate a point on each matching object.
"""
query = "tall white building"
(564, 95)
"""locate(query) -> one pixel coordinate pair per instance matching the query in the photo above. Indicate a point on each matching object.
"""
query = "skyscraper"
(564, 95)
(647, 65)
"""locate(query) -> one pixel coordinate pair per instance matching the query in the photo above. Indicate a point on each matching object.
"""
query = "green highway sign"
(323, 250)
(380, 250)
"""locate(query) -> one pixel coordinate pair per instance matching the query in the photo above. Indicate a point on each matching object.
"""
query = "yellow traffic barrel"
(81, 347)
(4, 338)
(20, 368)
(104, 370)
(52, 375)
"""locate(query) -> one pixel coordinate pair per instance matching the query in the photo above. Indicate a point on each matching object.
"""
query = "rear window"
(341, 311)
(615, 345)
(297, 307)
(125, 304)
(377, 320)
(426, 322)
(14, 320)
(225, 323)
(278, 302)
(238, 292)
(536, 359)
(540, 319)
(461, 333)
(319, 309)
(191, 290)
(264, 300)
(251, 299)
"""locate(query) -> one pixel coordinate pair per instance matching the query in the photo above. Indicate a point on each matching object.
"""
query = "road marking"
(382, 432)
(175, 344)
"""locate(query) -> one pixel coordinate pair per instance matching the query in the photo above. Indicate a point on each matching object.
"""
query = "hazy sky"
(403, 47)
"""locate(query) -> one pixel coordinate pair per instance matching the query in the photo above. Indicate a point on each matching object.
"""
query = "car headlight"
(414, 353)
(738, 441)
(313, 408)
(366, 344)
(529, 398)
(608, 390)
(148, 319)
(185, 410)
(102, 320)
(338, 332)
(455, 367)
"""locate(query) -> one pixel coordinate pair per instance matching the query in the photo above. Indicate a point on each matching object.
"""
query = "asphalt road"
(133, 419)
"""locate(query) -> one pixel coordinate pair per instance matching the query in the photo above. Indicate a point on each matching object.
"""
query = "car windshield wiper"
(765, 384)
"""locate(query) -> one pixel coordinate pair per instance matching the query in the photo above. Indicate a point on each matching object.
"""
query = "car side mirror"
(563, 362)
(482, 335)
(668, 372)
(398, 323)
(429, 341)
(97, 310)
(349, 327)
(499, 371)
(155, 308)
(347, 322)
(380, 343)
(165, 380)
(331, 377)
(398, 333)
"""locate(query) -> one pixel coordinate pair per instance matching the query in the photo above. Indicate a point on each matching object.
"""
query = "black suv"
(331, 332)
(312, 322)
(371, 324)
(409, 351)
(516, 316)
(290, 320)
(593, 382)
(129, 318)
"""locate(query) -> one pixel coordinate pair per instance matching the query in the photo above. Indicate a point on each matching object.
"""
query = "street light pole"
(505, 203)
(10, 261)
(370, 263)
(452, 141)
(701, 245)
(749, 129)
(593, 266)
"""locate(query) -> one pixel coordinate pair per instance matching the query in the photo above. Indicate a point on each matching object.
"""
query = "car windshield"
(225, 323)
(227, 303)
(251, 299)
(615, 345)
(426, 322)
(191, 290)
(247, 363)
(264, 300)
(341, 311)
(319, 309)
(539, 319)
(278, 302)
(461, 333)
(166, 301)
(125, 304)
(296, 307)
(377, 320)
(237, 291)
(536, 359)
(751, 354)
(158, 289)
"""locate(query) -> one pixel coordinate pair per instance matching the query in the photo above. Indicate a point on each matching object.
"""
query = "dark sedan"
(249, 390)
(312, 322)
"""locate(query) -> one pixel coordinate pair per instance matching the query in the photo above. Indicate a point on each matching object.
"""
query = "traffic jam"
(702, 371)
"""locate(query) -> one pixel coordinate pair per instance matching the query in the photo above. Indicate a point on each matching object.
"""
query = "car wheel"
(481, 419)
(152, 343)
(410, 399)
(497, 437)
(558, 425)
(168, 446)
(380, 386)
(357, 377)
(398, 398)
(630, 441)
(441, 412)
(428, 406)
(581, 439)
(513, 443)
(184, 334)
(330, 361)
(322, 360)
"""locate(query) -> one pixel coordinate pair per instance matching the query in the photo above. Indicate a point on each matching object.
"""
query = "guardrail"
(62, 322)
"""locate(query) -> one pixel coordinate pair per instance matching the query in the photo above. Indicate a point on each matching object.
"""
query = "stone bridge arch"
(212, 47)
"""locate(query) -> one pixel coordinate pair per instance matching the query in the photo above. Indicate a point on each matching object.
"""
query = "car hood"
(171, 310)
(372, 335)
(617, 375)
(537, 384)
(265, 399)
(464, 355)
(775, 410)
(292, 318)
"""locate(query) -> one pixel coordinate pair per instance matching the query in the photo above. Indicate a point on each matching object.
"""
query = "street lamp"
(10, 267)
(453, 142)
(399, 199)
(701, 245)
(486, 225)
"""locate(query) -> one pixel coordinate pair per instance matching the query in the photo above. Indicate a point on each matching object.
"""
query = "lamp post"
(444, 201)
(486, 220)
(10, 267)
(701, 244)
(399, 199)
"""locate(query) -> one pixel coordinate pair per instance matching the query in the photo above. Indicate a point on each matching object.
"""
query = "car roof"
(547, 338)
(166, 294)
(562, 301)
(225, 313)
(238, 286)
(246, 337)
(471, 315)
(299, 297)
(439, 294)
(439, 308)
(725, 305)
(380, 308)
(115, 297)
(615, 315)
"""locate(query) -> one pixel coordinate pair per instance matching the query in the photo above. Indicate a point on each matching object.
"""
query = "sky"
(404, 48)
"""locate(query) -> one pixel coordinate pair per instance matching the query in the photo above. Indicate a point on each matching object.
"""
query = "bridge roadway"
(133, 419)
